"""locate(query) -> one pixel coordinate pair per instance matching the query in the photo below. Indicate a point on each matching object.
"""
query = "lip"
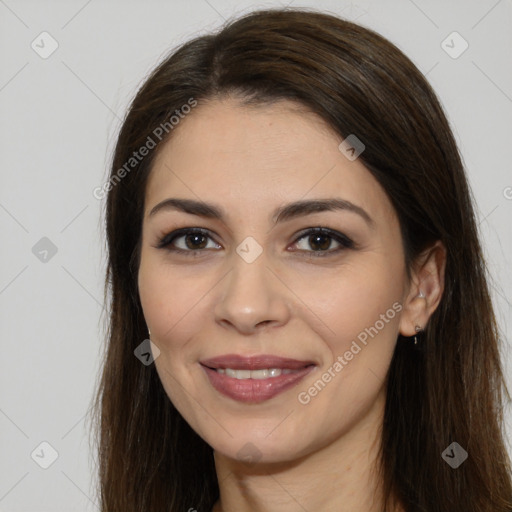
(255, 390)
(256, 362)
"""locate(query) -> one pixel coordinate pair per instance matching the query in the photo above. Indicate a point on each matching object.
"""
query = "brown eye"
(195, 241)
(186, 240)
(320, 240)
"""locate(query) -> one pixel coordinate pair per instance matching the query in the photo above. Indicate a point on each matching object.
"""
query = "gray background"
(60, 116)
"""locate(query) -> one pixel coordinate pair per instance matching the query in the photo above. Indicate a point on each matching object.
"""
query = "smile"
(254, 374)
(254, 379)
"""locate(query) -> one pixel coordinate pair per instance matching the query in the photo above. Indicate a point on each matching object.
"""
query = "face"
(275, 326)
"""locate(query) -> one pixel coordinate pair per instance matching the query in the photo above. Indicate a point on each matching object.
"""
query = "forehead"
(252, 158)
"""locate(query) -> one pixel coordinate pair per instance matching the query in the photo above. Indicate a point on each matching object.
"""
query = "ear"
(425, 290)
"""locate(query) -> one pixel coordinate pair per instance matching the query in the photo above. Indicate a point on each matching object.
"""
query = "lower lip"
(254, 390)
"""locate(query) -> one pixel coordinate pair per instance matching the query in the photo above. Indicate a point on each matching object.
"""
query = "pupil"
(313, 239)
(194, 237)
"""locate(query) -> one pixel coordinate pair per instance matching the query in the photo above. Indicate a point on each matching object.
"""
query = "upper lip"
(256, 362)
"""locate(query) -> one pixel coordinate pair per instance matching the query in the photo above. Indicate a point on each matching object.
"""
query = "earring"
(149, 333)
(417, 328)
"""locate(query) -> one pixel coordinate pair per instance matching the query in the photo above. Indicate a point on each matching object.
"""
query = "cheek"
(170, 304)
(360, 311)
(168, 300)
(353, 302)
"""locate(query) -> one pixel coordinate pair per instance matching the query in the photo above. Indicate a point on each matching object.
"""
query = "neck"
(339, 477)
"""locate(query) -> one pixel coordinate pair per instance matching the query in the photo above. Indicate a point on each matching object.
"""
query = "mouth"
(265, 373)
(254, 379)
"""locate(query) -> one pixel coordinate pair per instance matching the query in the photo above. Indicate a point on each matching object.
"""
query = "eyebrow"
(281, 214)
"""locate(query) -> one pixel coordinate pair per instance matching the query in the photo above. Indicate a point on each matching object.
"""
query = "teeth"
(254, 374)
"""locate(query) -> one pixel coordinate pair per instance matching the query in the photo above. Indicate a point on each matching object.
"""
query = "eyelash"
(345, 242)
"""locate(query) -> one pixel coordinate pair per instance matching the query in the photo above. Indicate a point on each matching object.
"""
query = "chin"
(251, 452)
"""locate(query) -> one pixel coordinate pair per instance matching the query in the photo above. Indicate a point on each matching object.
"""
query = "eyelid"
(344, 241)
(168, 238)
(340, 238)
(332, 233)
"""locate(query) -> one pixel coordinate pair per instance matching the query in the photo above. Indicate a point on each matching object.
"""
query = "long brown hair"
(149, 459)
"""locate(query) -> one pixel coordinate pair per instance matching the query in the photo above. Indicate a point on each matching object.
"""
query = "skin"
(249, 161)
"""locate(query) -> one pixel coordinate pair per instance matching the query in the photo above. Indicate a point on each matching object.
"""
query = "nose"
(252, 298)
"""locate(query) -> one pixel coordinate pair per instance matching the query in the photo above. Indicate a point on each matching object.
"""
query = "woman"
(289, 222)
